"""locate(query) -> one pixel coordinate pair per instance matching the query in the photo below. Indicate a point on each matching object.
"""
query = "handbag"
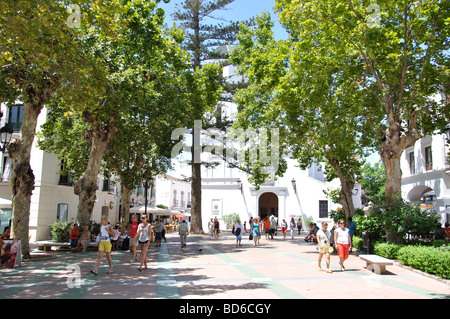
(250, 237)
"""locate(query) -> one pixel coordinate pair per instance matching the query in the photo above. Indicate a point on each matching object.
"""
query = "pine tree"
(203, 38)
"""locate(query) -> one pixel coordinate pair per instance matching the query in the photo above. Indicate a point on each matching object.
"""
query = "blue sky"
(239, 10)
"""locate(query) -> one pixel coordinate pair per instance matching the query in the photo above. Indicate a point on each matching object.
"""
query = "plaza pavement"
(277, 269)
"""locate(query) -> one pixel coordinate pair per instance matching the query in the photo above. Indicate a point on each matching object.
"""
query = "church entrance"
(268, 205)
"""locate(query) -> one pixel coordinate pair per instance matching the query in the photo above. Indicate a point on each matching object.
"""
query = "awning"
(5, 203)
(179, 216)
(153, 210)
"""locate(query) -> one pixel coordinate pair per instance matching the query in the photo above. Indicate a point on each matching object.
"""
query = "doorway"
(268, 205)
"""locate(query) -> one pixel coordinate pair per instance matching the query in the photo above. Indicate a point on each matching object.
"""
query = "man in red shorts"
(133, 241)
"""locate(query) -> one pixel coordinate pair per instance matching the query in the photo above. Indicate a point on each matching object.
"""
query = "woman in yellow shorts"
(104, 246)
(323, 239)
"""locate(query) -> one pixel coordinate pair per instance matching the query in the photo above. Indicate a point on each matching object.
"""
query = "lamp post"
(447, 132)
(6, 133)
(239, 182)
(145, 185)
(294, 185)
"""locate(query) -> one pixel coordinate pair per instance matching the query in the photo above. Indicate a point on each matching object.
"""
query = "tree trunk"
(86, 186)
(125, 208)
(346, 198)
(393, 143)
(346, 195)
(22, 177)
(196, 202)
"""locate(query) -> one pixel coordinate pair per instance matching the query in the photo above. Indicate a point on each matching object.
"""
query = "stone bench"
(48, 244)
(376, 263)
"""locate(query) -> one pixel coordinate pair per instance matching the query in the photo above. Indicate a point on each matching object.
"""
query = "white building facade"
(53, 196)
(426, 175)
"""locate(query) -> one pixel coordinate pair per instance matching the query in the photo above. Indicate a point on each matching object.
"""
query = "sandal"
(94, 272)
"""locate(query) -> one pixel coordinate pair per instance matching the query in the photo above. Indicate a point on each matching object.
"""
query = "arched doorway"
(268, 205)
(416, 194)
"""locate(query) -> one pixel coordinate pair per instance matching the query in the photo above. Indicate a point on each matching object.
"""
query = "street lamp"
(447, 132)
(294, 185)
(145, 185)
(6, 133)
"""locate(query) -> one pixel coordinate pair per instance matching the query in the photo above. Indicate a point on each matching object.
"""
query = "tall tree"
(402, 49)
(202, 38)
(142, 147)
(128, 52)
(319, 114)
(39, 57)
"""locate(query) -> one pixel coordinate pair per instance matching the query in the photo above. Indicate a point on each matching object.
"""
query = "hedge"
(387, 250)
(429, 259)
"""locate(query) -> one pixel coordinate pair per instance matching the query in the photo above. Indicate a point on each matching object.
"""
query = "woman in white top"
(323, 239)
(104, 246)
(343, 242)
(143, 235)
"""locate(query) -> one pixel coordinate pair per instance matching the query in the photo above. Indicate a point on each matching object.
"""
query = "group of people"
(140, 234)
(214, 227)
(341, 238)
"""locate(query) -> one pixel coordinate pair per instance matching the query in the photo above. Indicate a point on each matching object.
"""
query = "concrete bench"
(48, 244)
(376, 263)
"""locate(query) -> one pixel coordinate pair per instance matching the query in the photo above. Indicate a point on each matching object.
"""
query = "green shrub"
(60, 231)
(431, 260)
(387, 250)
(358, 242)
(230, 219)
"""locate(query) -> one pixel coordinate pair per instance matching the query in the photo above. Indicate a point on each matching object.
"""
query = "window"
(62, 213)
(175, 201)
(412, 163)
(183, 203)
(16, 117)
(64, 178)
(428, 159)
(323, 209)
(216, 207)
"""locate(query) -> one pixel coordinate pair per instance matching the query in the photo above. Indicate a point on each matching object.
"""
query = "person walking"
(143, 235)
(256, 233)
(351, 229)
(216, 227)
(323, 239)
(284, 228)
(273, 226)
(211, 227)
(104, 246)
(238, 231)
(183, 231)
(133, 242)
(343, 242)
(267, 227)
(292, 224)
(299, 225)
(159, 229)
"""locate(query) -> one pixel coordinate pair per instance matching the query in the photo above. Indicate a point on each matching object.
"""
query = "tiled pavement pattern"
(276, 269)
